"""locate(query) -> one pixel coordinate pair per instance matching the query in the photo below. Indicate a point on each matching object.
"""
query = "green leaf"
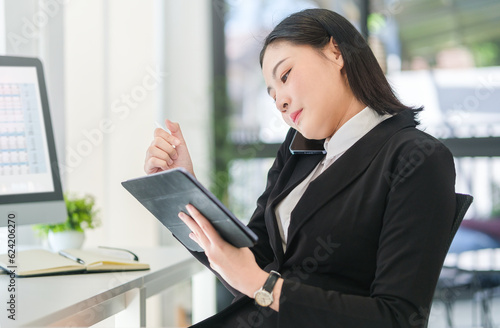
(81, 215)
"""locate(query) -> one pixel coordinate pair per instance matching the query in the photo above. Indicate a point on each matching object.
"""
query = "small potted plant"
(70, 234)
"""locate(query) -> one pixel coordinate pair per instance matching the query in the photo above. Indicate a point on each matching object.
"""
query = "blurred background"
(115, 67)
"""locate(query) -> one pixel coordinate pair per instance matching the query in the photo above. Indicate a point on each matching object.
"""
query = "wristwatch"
(264, 296)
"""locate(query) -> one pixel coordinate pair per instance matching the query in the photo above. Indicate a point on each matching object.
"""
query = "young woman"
(353, 238)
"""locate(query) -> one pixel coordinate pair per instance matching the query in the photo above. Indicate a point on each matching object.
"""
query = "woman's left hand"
(237, 266)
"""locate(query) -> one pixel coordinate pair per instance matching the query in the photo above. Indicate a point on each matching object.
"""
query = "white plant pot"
(65, 239)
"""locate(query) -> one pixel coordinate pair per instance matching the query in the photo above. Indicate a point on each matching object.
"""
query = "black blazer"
(367, 240)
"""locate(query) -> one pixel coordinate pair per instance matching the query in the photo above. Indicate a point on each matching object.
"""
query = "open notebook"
(39, 262)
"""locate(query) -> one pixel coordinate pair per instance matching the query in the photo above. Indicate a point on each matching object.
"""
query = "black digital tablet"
(167, 193)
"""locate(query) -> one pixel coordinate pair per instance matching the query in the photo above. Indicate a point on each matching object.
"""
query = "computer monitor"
(30, 184)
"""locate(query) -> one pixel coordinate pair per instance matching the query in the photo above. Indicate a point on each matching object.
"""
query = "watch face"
(263, 298)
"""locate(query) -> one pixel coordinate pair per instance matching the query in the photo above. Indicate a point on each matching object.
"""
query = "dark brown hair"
(366, 79)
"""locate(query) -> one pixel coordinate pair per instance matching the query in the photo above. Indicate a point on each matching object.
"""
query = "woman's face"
(309, 87)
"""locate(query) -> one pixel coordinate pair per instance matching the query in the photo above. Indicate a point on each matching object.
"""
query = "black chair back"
(463, 203)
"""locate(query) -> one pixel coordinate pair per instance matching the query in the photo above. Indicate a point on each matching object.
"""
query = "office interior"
(116, 68)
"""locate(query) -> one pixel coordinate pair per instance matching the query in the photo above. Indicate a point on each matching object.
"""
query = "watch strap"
(271, 281)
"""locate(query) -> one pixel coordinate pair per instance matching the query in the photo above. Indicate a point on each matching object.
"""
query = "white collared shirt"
(348, 134)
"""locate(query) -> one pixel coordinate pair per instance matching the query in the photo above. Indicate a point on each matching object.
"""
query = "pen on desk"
(71, 257)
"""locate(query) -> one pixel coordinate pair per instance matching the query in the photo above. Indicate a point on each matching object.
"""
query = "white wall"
(185, 57)
(84, 163)
(119, 71)
(109, 50)
(3, 44)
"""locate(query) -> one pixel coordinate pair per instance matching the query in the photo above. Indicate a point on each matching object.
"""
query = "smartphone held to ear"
(301, 145)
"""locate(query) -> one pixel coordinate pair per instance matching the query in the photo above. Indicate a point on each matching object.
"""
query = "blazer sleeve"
(418, 216)
(262, 250)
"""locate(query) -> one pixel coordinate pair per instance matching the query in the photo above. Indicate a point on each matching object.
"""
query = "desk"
(86, 299)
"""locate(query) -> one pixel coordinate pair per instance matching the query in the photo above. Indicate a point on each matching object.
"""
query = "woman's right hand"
(168, 151)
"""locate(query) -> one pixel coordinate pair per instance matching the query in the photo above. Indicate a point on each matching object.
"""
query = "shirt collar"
(351, 131)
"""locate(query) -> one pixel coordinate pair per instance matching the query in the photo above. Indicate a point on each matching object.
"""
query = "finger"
(202, 239)
(194, 238)
(155, 152)
(165, 146)
(175, 128)
(203, 223)
(154, 165)
(160, 133)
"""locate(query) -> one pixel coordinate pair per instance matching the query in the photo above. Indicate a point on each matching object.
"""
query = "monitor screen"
(30, 186)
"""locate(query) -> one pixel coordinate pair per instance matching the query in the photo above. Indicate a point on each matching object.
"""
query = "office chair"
(463, 203)
(453, 283)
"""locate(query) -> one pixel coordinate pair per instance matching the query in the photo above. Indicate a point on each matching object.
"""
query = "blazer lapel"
(346, 169)
(300, 166)
(302, 169)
